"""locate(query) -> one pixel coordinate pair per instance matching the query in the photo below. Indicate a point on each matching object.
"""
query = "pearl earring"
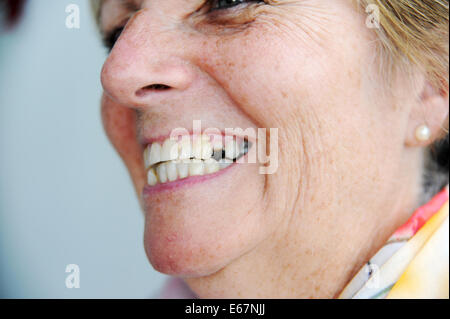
(423, 133)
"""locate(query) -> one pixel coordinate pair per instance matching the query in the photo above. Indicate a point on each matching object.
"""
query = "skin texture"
(349, 168)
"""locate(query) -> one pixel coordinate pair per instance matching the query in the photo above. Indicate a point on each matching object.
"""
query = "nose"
(146, 62)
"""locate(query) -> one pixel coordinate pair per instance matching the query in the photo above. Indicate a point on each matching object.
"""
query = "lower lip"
(175, 185)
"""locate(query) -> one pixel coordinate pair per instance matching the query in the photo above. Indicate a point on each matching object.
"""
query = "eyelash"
(226, 4)
(213, 5)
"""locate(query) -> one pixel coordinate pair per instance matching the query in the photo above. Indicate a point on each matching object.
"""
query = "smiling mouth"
(191, 156)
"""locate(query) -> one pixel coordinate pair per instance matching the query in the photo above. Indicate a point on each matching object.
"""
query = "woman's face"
(306, 68)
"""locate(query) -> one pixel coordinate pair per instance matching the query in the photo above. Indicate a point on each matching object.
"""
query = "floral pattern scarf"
(414, 263)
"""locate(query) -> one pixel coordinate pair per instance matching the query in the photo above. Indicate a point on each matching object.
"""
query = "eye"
(225, 4)
(111, 38)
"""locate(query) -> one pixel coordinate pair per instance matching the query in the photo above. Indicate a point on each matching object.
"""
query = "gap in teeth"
(173, 160)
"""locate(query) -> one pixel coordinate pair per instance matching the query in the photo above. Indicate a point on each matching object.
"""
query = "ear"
(431, 110)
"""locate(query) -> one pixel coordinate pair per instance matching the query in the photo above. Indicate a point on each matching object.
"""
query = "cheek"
(120, 126)
(274, 74)
(309, 86)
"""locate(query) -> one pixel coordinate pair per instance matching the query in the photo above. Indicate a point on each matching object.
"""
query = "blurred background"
(65, 196)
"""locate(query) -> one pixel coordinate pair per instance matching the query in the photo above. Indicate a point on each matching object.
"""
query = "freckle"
(284, 94)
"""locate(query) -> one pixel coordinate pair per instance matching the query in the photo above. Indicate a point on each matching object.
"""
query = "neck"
(314, 258)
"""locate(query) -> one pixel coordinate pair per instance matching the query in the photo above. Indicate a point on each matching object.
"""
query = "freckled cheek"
(246, 75)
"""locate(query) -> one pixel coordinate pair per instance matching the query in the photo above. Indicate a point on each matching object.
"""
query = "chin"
(183, 249)
(177, 259)
(198, 227)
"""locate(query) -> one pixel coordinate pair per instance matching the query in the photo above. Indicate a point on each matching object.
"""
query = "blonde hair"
(414, 33)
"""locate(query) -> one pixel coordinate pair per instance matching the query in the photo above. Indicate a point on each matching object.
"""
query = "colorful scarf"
(414, 263)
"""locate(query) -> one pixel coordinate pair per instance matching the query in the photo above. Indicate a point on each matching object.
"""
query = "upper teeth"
(179, 159)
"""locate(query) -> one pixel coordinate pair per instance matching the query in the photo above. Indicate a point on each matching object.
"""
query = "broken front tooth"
(154, 155)
(151, 177)
(211, 166)
(231, 149)
(171, 169)
(161, 173)
(185, 148)
(196, 167)
(169, 150)
(183, 168)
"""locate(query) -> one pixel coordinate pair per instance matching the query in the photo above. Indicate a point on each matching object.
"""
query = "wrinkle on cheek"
(310, 38)
(294, 25)
(310, 26)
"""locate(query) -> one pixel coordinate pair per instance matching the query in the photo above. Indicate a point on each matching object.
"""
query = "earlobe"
(428, 120)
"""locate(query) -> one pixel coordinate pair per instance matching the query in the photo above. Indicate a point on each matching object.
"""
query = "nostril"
(152, 88)
(157, 87)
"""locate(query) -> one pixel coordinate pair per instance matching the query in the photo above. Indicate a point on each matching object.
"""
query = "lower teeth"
(180, 169)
